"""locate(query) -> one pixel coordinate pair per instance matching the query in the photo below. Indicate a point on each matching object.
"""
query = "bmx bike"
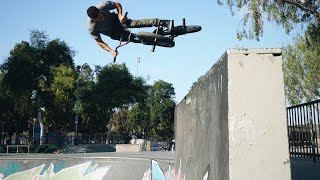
(161, 36)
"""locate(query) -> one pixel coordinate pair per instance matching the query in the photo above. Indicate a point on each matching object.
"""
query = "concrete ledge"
(262, 51)
(128, 148)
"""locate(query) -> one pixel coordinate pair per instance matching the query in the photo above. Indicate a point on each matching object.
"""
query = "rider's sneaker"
(167, 23)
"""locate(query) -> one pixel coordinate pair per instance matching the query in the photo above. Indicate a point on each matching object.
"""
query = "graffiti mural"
(83, 171)
(156, 173)
(64, 169)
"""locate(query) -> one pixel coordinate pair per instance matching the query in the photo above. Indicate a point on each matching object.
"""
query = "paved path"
(305, 169)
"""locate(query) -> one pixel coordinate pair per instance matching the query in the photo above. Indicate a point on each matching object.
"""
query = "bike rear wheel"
(181, 30)
(149, 39)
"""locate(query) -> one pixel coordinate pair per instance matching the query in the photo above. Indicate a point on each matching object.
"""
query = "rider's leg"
(141, 23)
(119, 32)
(148, 23)
(125, 36)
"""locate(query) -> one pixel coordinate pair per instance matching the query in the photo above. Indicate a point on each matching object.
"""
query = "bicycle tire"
(181, 30)
(150, 35)
(148, 39)
(168, 44)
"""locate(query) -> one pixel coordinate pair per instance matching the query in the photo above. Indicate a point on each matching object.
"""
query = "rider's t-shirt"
(105, 26)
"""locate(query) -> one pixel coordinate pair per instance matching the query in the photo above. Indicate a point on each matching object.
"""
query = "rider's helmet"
(93, 12)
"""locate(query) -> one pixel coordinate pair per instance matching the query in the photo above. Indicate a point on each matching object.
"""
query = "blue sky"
(181, 65)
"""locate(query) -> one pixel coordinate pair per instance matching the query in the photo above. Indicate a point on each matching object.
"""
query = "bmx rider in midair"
(102, 21)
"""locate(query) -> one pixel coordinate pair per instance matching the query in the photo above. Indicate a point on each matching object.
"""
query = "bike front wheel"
(155, 39)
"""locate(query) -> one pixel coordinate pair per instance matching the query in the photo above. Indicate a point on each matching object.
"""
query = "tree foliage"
(34, 76)
(286, 13)
(38, 80)
(16, 87)
(301, 72)
(161, 106)
(139, 120)
(105, 102)
(59, 110)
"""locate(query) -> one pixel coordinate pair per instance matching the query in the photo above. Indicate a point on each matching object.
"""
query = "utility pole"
(77, 108)
(138, 60)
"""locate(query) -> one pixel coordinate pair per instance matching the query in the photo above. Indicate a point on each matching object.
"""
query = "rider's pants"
(118, 29)
(141, 23)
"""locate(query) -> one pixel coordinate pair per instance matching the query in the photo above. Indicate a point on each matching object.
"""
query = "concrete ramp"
(232, 124)
(88, 166)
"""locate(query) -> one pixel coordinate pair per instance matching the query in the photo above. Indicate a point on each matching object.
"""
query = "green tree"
(17, 87)
(301, 72)
(285, 13)
(90, 116)
(28, 75)
(49, 54)
(6, 114)
(115, 88)
(119, 131)
(59, 114)
(93, 119)
(139, 120)
(162, 106)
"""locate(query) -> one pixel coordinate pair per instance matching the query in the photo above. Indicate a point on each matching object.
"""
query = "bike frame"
(166, 34)
(122, 44)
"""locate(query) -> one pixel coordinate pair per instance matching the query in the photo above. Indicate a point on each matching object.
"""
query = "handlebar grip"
(126, 14)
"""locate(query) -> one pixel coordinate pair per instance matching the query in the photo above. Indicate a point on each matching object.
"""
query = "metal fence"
(304, 130)
(56, 139)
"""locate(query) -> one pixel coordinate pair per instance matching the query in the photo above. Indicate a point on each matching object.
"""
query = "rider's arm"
(105, 46)
(118, 6)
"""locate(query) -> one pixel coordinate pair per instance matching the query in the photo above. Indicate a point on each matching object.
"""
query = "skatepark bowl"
(232, 125)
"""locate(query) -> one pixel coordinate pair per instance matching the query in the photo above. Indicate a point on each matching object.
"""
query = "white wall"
(258, 144)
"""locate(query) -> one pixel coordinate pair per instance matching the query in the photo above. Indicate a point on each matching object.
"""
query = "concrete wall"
(232, 125)
(201, 127)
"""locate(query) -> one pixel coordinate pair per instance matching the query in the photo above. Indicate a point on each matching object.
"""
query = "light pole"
(77, 106)
(33, 128)
(138, 60)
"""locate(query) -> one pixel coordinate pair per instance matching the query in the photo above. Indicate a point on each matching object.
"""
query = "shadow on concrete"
(304, 169)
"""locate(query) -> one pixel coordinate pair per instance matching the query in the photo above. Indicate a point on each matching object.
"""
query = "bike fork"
(154, 42)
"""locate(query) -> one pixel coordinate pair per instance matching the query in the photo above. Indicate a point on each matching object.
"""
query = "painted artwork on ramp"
(156, 173)
(83, 171)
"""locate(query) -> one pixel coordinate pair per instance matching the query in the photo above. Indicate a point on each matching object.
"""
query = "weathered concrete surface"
(111, 165)
(201, 128)
(232, 125)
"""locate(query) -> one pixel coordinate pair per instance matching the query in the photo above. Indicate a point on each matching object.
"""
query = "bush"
(43, 148)
(3, 149)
